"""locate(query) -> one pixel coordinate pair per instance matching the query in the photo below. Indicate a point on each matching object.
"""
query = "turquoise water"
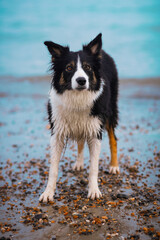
(130, 28)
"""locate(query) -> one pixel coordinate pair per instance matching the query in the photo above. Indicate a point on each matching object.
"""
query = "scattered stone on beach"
(71, 207)
(130, 198)
(5, 238)
(35, 217)
(122, 196)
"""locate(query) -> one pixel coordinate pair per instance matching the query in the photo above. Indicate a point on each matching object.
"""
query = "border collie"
(82, 104)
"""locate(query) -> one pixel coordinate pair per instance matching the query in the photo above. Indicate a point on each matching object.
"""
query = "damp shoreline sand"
(130, 206)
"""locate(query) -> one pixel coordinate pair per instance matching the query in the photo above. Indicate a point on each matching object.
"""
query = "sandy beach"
(130, 206)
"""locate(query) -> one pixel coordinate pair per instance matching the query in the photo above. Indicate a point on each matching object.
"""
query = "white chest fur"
(71, 114)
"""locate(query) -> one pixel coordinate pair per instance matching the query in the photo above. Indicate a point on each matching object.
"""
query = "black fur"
(106, 105)
(49, 109)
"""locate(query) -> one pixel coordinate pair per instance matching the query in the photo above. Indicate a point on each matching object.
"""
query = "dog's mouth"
(80, 88)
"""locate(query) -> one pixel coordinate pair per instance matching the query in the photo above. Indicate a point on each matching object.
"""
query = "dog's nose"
(81, 81)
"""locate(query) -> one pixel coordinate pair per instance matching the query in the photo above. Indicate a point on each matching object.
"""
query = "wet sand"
(130, 206)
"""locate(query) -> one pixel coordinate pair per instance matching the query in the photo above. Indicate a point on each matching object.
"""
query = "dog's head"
(76, 70)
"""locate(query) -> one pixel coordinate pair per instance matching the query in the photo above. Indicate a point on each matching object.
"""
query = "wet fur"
(82, 114)
(105, 106)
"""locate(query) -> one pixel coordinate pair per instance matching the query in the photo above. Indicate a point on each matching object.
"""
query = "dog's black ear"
(55, 49)
(95, 46)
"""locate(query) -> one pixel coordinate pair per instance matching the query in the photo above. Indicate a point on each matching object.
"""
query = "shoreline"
(130, 206)
(137, 88)
(137, 81)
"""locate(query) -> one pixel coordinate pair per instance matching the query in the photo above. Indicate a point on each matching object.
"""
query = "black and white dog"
(82, 104)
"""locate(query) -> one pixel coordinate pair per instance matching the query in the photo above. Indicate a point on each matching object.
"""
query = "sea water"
(130, 28)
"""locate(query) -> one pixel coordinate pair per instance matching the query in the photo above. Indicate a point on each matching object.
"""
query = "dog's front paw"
(94, 192)
(114, 170)
(78, 166)
(47, 195)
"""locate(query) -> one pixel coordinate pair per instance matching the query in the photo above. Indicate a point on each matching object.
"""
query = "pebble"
(122, 196)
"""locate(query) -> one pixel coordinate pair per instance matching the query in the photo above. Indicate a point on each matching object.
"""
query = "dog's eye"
(69, 68)
(87, 67)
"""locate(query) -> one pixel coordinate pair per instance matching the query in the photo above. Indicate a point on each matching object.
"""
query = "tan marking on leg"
(114, 168)
(80, 147)
(79, 164)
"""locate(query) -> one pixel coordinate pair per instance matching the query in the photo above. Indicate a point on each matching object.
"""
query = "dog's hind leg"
(114, 168)
(79, 164)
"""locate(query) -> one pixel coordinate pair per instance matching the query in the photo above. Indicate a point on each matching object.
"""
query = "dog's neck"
(74, 100)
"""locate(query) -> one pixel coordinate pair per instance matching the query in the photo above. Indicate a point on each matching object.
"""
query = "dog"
(82, 105)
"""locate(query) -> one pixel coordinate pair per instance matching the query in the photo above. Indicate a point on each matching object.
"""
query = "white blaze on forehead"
(79, 73)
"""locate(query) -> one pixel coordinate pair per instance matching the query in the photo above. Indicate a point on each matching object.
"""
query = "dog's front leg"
(56, 150)
(94, 149)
